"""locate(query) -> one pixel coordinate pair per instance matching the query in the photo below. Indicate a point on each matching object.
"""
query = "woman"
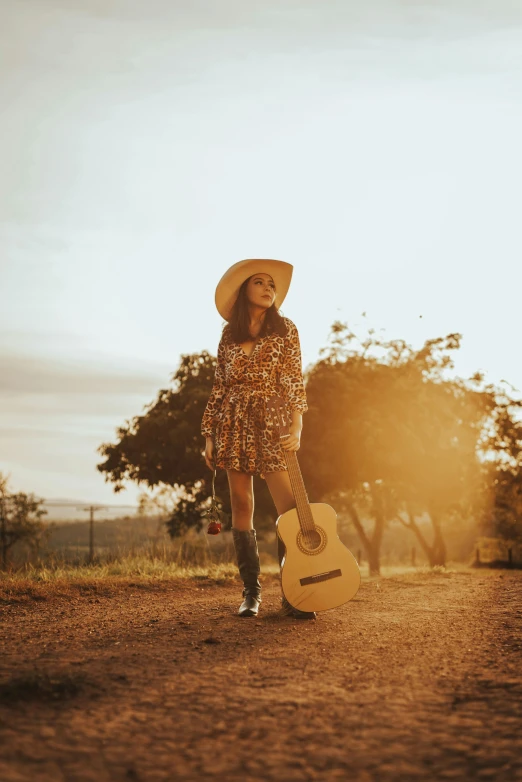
(258, 356)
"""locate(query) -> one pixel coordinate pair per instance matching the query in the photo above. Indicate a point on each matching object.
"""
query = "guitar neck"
(298, 488)
(306, 522)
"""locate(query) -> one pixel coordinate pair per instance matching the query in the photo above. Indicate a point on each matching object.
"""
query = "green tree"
(20, 520)
(502, 514)
(163, 447)
(502, 508)
(392, 436)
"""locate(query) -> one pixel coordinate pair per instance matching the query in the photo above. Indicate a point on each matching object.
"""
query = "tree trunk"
(365, 540)
(372, 545)
(378, 531)
(436, 553)
(374, 562)
(418, 534)
(439, 546)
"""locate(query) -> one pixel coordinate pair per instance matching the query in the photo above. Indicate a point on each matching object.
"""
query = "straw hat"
(228, 287)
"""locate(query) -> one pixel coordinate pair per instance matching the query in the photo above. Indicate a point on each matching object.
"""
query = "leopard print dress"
(236, 416)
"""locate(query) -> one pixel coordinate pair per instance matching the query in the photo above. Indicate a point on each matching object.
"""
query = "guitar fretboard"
(306, 521)
(301, 498)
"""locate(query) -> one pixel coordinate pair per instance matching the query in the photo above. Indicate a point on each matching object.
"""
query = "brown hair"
(239, 322)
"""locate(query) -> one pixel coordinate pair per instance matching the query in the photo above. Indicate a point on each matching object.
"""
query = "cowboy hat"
(228, 287)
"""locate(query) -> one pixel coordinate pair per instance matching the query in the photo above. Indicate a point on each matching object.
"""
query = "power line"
(74, 504)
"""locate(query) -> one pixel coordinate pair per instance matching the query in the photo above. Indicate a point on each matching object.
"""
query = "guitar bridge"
(320, 577)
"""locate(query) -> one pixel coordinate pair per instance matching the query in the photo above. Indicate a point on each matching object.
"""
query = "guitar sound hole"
(312, 540)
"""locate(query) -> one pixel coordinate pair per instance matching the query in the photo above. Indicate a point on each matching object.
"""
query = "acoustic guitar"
(318, 572)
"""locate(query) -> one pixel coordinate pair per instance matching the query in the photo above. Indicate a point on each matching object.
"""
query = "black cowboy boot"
(245, 544)
(287, 609)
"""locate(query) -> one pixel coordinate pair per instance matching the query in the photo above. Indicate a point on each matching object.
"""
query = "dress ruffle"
(252, 445)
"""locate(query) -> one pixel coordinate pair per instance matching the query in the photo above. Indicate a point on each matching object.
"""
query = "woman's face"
(261, 290)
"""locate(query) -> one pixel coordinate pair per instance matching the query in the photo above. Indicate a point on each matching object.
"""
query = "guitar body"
(318, 578)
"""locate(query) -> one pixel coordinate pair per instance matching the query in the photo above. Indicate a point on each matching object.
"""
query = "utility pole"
(91, 510)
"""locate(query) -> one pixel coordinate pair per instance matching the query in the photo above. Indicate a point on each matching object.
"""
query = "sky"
(145, 147)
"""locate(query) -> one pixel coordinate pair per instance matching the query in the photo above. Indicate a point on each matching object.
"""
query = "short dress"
(246, 438)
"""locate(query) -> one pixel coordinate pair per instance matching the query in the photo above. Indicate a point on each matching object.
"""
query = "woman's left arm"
(293, 442)
(292, 385)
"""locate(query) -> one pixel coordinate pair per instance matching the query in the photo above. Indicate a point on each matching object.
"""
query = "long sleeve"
(208, 423)
(291, 376)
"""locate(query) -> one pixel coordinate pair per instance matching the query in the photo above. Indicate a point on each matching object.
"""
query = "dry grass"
(130, 567)
(61, 581)
(190, 561)
(143, 567)
(45, 582)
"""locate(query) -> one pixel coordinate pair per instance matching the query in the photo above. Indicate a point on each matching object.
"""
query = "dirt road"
(419, 677)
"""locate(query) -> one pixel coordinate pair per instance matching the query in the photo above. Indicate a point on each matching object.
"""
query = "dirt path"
(419, 677)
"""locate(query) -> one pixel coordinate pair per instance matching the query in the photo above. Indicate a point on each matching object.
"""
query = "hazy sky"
(146, 146)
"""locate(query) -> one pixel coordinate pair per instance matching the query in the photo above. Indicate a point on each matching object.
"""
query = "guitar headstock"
(279, 414)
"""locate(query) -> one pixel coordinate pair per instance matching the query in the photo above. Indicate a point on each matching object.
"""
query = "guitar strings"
(304, 512)
(303, 508)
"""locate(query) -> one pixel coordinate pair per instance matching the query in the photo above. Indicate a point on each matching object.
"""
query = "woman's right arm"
(209, 453)
(213, 408)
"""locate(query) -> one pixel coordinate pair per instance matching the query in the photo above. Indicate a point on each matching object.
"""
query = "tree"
(501, 509)
(392, 434)
(163, 447)
(20, 520)
(503, 517)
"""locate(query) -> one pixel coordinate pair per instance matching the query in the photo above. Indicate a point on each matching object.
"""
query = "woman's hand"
(209, 453)
(293, 441)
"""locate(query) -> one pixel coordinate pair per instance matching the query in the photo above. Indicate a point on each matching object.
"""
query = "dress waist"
(246, 389)
(250, 400)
